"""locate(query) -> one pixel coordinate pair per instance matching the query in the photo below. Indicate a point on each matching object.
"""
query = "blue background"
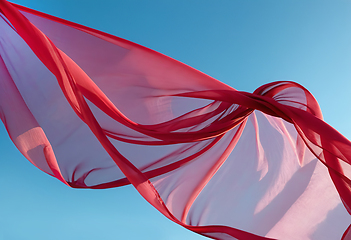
(242, 43)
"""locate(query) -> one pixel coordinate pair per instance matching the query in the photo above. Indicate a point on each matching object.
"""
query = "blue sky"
(242, 43)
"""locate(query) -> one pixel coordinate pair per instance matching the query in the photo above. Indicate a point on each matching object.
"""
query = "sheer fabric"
(97, 111)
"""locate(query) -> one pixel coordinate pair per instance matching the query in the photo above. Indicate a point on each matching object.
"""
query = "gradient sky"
(242, 43)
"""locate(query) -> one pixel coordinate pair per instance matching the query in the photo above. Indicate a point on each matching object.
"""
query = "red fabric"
(97, 111)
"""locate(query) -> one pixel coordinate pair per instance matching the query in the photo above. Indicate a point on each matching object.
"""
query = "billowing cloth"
(97, 111)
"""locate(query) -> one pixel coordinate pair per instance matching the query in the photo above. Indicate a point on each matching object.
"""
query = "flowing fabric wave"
(97, 111)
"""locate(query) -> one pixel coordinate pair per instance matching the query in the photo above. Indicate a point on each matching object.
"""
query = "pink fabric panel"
(97, 111)
(44, 102)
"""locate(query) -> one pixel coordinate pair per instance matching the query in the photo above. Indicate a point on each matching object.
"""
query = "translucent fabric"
(97, 111)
